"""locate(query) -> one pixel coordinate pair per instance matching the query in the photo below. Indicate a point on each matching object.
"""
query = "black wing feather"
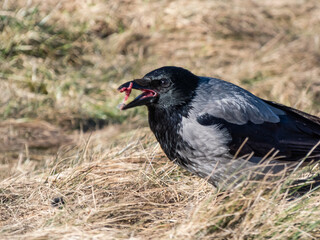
(294, 136)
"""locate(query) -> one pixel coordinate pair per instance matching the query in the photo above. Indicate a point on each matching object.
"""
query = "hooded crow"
(218, 130)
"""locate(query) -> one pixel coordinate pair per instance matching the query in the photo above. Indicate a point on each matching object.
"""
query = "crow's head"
(163, 87)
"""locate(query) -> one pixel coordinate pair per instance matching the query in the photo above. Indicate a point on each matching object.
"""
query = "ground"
(74, 167)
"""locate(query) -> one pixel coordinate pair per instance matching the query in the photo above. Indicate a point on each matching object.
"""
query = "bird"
(220, 131)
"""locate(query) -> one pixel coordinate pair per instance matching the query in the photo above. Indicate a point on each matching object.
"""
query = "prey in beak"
(148, 95)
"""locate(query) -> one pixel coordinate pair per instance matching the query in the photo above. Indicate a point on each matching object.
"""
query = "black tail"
(305, 131)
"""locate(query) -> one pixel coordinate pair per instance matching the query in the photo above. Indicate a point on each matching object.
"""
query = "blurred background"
(62, 61)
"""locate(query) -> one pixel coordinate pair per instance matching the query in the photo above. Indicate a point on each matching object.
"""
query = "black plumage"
(202, 123)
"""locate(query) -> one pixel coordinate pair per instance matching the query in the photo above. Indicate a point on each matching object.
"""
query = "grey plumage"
(229, 102)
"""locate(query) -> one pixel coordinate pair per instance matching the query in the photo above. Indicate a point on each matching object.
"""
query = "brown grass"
(61, 62)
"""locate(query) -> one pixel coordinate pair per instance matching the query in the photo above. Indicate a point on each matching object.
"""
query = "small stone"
(57, 202)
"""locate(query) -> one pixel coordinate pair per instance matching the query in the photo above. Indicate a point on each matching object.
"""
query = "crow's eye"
(160, 83)
(165, 82)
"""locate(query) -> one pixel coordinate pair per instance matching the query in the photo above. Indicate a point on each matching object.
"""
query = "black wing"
(293, 136)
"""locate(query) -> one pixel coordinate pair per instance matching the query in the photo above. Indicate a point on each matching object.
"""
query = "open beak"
(148, 95)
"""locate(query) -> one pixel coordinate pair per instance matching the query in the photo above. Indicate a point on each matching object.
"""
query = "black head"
(163, 87)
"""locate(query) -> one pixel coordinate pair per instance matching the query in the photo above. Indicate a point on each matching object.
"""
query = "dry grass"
(60, 64)
(133, 191)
